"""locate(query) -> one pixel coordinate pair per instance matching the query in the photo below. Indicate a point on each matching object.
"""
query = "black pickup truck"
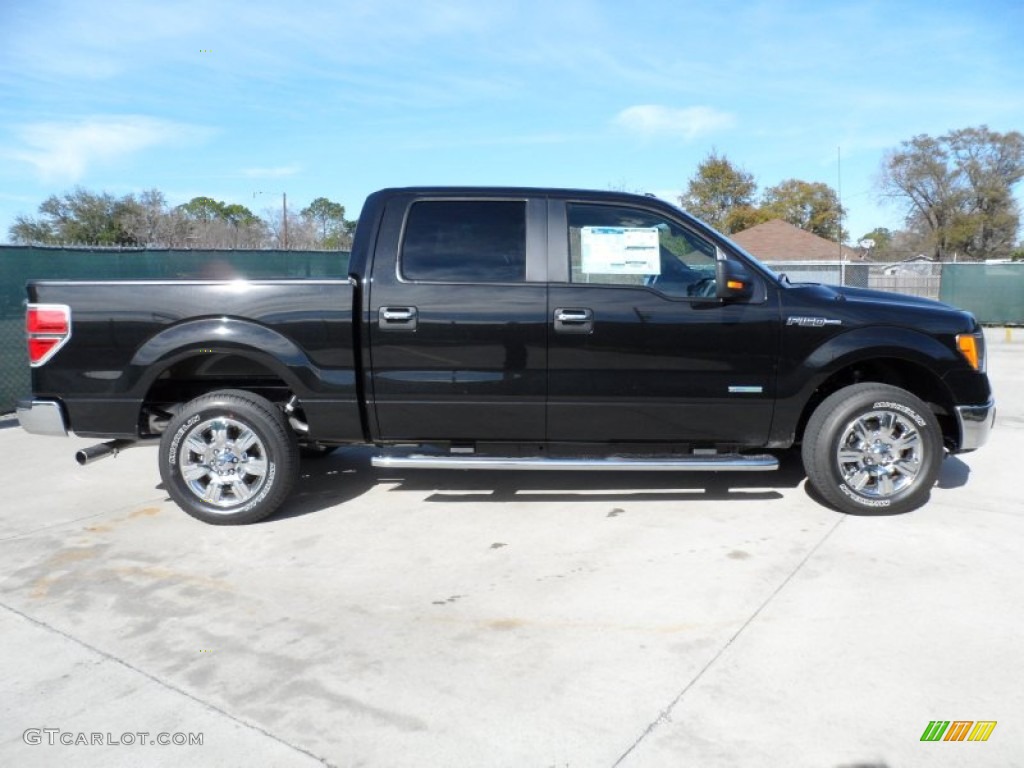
(512, 329)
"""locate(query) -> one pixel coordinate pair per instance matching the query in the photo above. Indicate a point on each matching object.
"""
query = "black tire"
(229, 458)
(873, 449)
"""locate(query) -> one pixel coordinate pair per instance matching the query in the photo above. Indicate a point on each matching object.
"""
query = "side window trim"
(558, 241)
(537, 237)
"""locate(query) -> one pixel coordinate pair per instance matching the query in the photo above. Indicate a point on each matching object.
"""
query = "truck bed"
(136, 340)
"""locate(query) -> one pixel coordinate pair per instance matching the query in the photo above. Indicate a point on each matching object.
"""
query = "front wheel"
(873, 448)
(228, 458)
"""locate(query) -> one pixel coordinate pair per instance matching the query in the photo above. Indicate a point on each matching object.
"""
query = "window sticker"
(620, 251)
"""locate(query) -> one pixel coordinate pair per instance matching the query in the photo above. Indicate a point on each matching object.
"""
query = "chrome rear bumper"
(42, 417)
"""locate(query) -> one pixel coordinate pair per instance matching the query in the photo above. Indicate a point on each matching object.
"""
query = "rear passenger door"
(456, 317)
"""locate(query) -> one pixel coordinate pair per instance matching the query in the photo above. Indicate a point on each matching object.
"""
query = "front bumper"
(976, 422)
(42, 417)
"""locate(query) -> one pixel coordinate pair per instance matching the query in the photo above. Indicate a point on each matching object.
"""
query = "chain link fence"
(994, 293)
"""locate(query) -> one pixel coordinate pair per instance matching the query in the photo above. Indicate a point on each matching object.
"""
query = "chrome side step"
(717, 463)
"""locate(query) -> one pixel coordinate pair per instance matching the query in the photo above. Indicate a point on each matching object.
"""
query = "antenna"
(839, 213)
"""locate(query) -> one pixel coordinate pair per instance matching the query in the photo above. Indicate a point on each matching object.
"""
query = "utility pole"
(284, 217)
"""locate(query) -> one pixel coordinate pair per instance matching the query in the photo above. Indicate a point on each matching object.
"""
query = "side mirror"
(732, 281)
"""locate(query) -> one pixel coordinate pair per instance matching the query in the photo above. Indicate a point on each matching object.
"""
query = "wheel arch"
(901, 357)
(200, 356)
(910, 375)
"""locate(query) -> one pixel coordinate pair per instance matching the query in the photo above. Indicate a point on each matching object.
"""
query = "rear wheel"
(873, 448)
(228, 458)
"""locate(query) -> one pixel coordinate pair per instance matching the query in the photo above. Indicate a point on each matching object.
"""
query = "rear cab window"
(464, 241)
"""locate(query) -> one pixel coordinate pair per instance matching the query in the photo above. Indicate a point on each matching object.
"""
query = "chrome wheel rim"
(223, 462)
(880, 454)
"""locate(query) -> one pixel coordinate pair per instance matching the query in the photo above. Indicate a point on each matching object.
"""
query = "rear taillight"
(49, 328)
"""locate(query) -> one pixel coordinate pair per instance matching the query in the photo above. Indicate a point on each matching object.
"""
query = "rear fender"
(225, 335)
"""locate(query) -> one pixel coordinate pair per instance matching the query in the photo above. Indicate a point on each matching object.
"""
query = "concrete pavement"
(511, 619)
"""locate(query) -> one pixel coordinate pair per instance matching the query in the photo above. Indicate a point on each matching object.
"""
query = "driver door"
(640, 349)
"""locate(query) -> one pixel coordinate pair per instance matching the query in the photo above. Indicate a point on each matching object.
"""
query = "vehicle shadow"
(953, 474)
(347, 474)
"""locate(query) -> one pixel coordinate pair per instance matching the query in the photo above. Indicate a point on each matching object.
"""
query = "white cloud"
(271, 173)
(653, 120)
(65, 151)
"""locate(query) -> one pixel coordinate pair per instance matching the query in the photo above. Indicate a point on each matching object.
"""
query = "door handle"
(397, 318)
(574, 320)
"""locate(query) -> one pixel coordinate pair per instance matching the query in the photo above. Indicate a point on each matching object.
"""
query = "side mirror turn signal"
(732, 280)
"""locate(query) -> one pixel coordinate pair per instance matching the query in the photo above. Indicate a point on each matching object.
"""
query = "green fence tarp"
(19, 264)
(994, 293)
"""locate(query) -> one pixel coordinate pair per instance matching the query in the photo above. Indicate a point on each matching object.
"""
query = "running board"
(719, 463)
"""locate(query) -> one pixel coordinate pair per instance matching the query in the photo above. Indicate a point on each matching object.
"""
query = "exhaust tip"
(101, 450)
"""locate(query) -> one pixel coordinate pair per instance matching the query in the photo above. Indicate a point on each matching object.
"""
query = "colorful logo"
(958, 730)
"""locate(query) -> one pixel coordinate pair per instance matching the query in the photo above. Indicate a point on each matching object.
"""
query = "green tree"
(237, 215)
(216, 224)
(241, 219)
(329, 218)
(81, 217)
(716, 189)
(812, 206)
(880, 239)
(29, 231)
(746, 216)
(204, 209)
(78, 217)
(957, 190)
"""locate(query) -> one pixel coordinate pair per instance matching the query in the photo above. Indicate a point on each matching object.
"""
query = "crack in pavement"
(666, 714)
(164, 684)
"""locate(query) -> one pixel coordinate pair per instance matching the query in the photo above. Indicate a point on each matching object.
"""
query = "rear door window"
(465, 241)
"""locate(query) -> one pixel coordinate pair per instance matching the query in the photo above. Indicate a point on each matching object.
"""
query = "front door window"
(611, 245)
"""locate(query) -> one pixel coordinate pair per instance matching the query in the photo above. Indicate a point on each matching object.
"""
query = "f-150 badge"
(812, 322)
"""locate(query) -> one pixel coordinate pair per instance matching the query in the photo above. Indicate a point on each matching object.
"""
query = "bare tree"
(957, 190)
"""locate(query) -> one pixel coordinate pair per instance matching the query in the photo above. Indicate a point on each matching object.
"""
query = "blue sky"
(242, 101)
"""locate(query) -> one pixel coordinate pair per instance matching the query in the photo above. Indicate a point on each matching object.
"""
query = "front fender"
(860, 344)
(808, 363)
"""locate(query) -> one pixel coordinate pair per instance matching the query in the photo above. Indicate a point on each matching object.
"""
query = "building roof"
(778, 240)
